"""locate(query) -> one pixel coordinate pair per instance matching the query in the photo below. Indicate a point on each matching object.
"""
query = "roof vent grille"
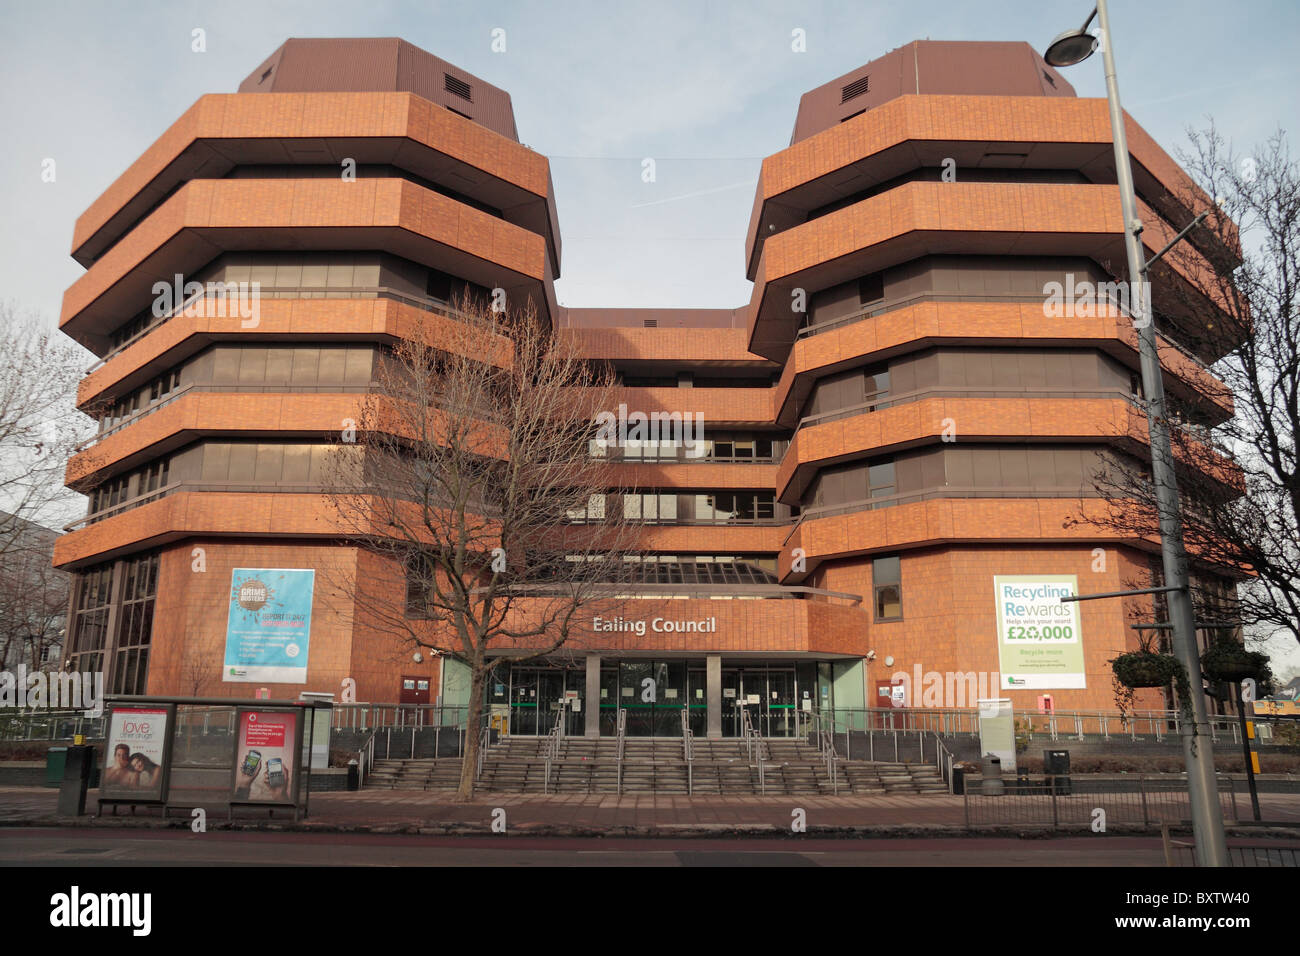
(856, 88)
(459, 87)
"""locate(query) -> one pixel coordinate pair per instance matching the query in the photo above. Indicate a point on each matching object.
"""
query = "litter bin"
(991, 773)
(56, 758)
(1056, 765)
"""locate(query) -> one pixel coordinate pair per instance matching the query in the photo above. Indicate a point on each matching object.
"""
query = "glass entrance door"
(523, 702)
(538, 693)
(778, 716)
(768, 693)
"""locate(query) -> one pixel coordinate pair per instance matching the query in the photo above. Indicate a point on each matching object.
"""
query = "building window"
(112, 622)
(94, 598)
(135, 632)
(887, 585)
(871, 289)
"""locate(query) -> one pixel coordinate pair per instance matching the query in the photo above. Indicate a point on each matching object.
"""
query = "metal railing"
(43, 725)
(890, 399)
(552, 751)
(747, 733)
(688, 749)
(943, 761)
(753, 747)
(365, 759)
(1262, 853)
(1086, 800)
(398, 716)
(821, 735)
(1058, 725)
(192, 306)
(620, 730)
(878, 309)
(484, 737)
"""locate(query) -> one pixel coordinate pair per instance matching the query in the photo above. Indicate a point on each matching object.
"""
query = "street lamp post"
(1207, 815)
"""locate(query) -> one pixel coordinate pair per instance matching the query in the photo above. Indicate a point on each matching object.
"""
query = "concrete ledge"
(663, 831)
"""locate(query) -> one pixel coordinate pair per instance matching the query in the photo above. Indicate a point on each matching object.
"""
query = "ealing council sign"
(268, 631)
(1040, 644)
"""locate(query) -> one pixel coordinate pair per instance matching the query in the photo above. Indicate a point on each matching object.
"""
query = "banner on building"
(998, 732)
(268, 631)
(1040, 643)
(137, 754)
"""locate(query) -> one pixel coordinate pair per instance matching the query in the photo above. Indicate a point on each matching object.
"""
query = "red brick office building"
(893, 419)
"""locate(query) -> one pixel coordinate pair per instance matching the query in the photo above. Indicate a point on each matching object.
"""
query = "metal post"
(1207, 814)
(1247, 735)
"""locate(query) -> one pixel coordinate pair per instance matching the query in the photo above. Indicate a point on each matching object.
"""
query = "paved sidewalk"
(582, 814)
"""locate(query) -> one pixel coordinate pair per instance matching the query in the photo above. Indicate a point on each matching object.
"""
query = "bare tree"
(33, 599)
(472, 483)
(39, 423)
(1238, 479)
(198, 675)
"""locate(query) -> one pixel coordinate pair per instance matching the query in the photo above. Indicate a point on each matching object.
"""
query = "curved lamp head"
(1071, 47)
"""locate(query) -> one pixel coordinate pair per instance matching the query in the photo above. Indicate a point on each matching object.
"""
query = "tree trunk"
(469, 765)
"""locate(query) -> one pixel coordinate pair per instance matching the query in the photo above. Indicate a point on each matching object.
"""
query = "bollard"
(354, 775)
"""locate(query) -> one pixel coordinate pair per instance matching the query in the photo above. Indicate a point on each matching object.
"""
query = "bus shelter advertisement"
(264, 757)
(268, 630)
(1040, 644)
(136, 754)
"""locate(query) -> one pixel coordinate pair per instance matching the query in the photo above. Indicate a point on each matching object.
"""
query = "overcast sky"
(706, 88)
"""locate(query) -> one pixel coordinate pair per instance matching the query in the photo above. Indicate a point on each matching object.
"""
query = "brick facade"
(847, 202)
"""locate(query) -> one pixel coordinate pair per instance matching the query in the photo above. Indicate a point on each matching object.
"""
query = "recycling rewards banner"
(1040, 643)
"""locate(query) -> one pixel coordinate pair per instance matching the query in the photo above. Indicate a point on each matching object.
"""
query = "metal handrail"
(424, 303)
(890, 399)
(747, 733)
(831, 757)
(365, 759)
(895, 305)
(1075, 724)
(822, 734)
(753, 746)
(553, 745)
(484, 736)
(943, 766)
(264, 388)
(688, 749)
(620, 725)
